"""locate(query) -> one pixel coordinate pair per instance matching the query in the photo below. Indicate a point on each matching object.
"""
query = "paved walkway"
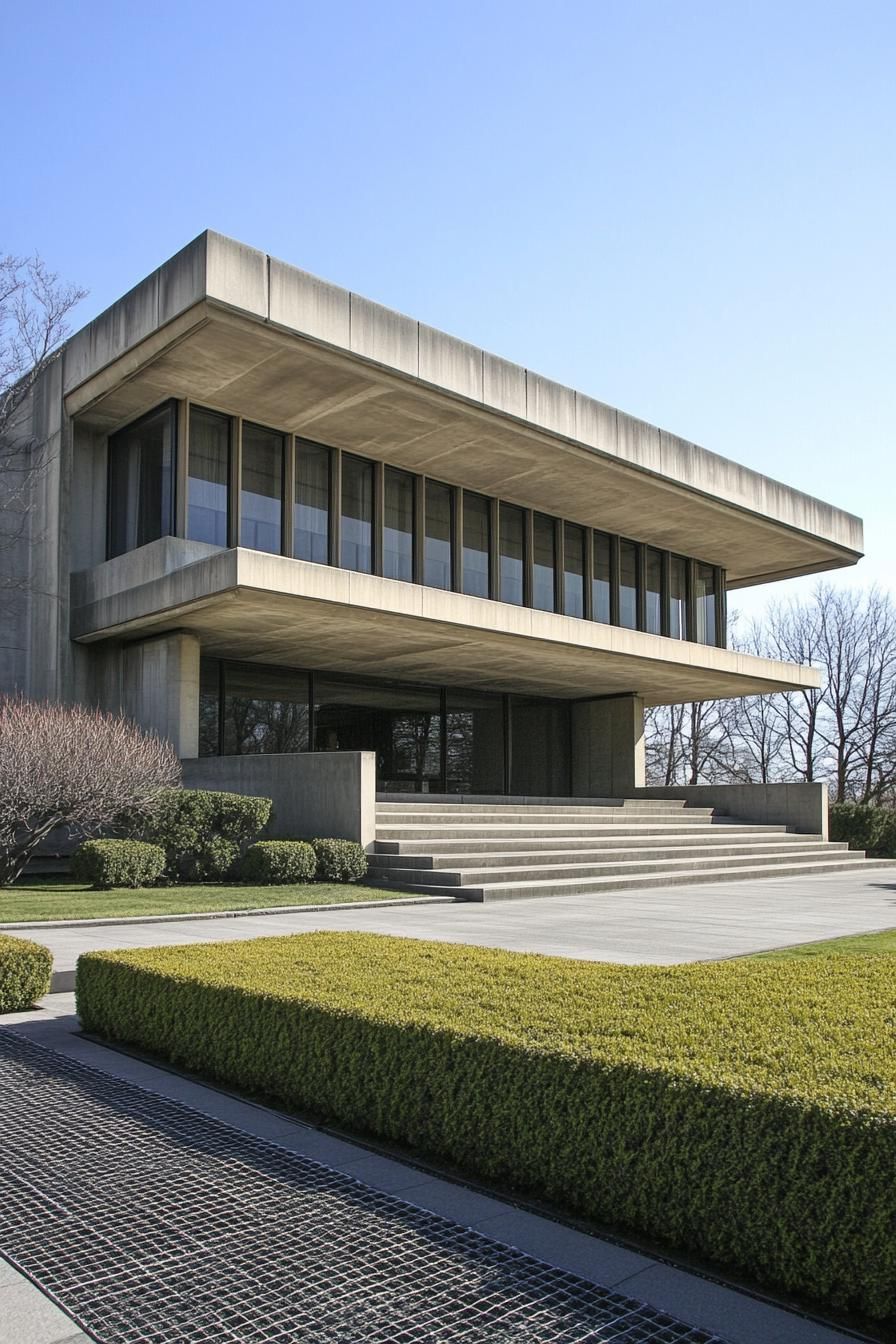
(662, 925)
(152, 1207)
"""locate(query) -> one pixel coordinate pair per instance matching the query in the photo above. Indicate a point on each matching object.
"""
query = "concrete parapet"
(802, 807)
(314, 793)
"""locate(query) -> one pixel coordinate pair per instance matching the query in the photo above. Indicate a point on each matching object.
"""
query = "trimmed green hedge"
(339, 860)
(742, 1110)
(118, 863)
(203, 833)
(864, 827)
(278, 863)
(25, 971)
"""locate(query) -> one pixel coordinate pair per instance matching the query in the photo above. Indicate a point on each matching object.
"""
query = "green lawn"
(856, 945)
(38, 899)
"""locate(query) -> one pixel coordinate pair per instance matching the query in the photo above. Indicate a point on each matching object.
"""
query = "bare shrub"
(69, 766)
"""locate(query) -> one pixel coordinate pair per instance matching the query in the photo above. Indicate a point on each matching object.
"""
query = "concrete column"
(608, 747)
(161, 688)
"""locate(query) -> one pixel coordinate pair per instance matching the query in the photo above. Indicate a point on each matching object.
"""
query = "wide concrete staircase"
(493, 851)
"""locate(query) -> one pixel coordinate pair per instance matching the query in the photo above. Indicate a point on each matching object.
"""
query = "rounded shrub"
(278, 863)
(339, 860)
(864, 826)
(118, 863)
(25, 970)
(203, 832)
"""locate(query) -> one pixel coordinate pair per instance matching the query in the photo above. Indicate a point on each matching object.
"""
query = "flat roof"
(231, 327)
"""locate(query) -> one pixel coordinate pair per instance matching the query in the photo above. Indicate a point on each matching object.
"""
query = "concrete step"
(620, 867)
(626, 807)
(539, 844)
(485, 801)
(594, 853)
(535, 817)
(594, 886)
(544, 830)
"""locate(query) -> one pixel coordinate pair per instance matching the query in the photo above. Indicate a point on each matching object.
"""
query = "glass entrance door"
(401, 724)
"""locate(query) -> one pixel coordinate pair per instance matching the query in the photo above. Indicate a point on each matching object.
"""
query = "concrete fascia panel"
(596, 425)
(182, 279)
(550, 405)
(504, 385)
(301, 302)
(449, 363)
(236, 275)
(386, 337)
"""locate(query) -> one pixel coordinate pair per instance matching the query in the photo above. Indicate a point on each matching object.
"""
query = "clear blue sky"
(685, 209)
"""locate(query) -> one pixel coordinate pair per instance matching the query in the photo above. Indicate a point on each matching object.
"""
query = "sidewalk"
(195, 1216)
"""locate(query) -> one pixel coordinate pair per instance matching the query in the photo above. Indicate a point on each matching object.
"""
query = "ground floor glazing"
(427, 739)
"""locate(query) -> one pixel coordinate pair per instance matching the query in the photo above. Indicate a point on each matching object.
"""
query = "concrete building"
(278, 518)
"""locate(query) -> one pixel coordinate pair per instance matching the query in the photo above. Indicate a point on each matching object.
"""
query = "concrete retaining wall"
(803, 807)
(314, 793)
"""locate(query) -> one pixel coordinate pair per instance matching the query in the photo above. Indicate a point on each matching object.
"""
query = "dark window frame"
(173, 407)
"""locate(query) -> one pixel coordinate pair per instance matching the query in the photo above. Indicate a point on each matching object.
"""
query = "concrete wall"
(608, 747)
(161, 688)
(315, 793)
(802, 807)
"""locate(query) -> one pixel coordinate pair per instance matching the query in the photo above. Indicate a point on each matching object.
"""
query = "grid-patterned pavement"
(150, 1223)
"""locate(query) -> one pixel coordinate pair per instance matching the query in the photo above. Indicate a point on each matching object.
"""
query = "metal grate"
(151, 1223)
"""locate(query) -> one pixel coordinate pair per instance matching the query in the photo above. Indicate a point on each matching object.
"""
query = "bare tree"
(73, 767)
(34, 309)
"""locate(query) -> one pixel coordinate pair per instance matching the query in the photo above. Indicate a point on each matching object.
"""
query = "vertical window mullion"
(641, 553)
(336, 506)
(528, 557)
(289, 493)
(457, 530)
(559, 565)
(494, 578)
(588, 576)
(235, 477)
(419, 528)
(665, 593)
(721, 609)
(614, 579)
(181, 468)
(379, 515)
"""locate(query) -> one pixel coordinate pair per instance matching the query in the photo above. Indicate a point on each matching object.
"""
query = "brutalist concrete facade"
(227, 327)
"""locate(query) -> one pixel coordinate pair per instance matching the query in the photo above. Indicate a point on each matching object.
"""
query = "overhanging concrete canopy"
(263, 608)
(237, 330)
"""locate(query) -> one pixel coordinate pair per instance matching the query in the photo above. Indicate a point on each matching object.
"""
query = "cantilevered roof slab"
(234, 329)
(264, 608)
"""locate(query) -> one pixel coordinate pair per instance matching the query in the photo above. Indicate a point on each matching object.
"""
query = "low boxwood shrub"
(278, 862)
(203, 832)
(118, 863)
(339, 860)
(25, 970)
(865, 827)
(745, 1111)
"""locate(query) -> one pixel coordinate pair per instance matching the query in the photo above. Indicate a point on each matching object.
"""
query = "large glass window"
(141, 481)
(678, 597)
(357, 514)
(474, 732)
(437, 539)
(705, 603)
(311, 514)
(402, 724)
(653, 590)
(398, 526)
(208, 477)
(628, 585)
(261, 498)
(573, 570)
(512, 552)
(544, 562)
(265, 710)
(601, 579)
(477, 531)
(209, 707)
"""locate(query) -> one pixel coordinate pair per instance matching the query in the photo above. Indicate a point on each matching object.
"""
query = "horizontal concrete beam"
(247, 605)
